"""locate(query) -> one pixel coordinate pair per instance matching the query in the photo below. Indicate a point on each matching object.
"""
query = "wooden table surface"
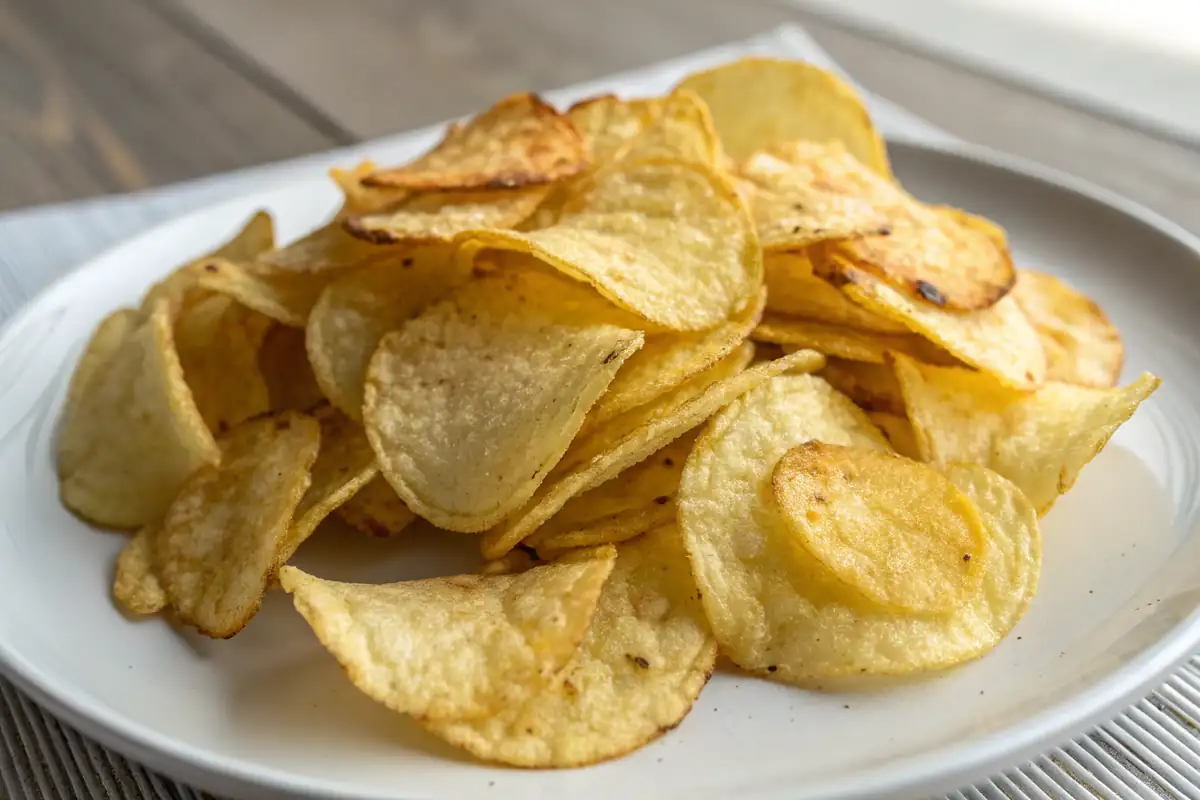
(108, 96)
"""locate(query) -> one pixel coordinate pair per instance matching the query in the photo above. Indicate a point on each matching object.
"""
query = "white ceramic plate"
(269, 713)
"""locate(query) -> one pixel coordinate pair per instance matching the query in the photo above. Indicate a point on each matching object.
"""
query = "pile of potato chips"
(696, 369)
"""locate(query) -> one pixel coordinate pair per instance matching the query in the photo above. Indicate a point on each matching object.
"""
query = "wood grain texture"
(110, 95)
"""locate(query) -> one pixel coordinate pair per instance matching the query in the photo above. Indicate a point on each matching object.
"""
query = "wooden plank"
(111, 95)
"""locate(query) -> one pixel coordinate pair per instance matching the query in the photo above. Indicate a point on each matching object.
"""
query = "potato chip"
(520, 141)
(668, 240)
(136, 587)
(358, 197)
(639, 669)
(218, 341)
(606, 123)
(131, 433)
(871, 386)
(631, 438)
(846, 343)
(668, 359)
(437, 217)
(106, 342)
(1082, 346)
(793, 289)
(637, 500)
(345, 464)
(682, 129)
(283, 362)
(891, 528)
(898, 430)
(997, 340)
(284, 296)
(1038, 440)
(758, 101)
(224, 533)
(329, 248)
(455, 647)
(516, 560)
(357, 309)
(734, 535)
(469, 405)
(376, 509)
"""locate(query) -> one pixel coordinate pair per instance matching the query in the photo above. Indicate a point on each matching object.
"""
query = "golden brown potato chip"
(284, 296)
(668, 359)
(607, 122)
(891, 528)
(437, 217)
(131, 433)
(357, 309)
(1082, 346)
(847, 343)
(376, 509)
(630, 438)
(639, 669)
(759, 101)
(1038, 440)
(997, 340)
(224, 533)
(470, 405)
(637, 500)
(283, 362)
(668, 240)
(520, 141)
(327, 249)
(683, 128)
(898, 431)
(359, 198)
(871, 386)
(218, 341)
(793, 289)
(136, 587)
(456, 647)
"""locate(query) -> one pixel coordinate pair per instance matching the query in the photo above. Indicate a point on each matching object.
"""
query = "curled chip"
(358, 308)
(666, 360)
(631, 438)
(846, 343)
(637, 500)
(357, 196)
(136, 585)
(1038, 440)
(327, 249)
(132, 433)
(218, 341)
(606, 123)
(437, 217)
(291, 385)
(283, 295)
(682, 129)
(893, 529)
(520, 141)
(666, 239)
(470, 405)
(898, 431)
(1082, 346)
(738, 545)
(871, 386)
(456, 647)
(376, 509)
(641, 666)
(793, 289)
(757, 102)
(223, 535)
(997, 340)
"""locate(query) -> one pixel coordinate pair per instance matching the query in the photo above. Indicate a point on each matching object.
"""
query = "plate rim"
(942, 769)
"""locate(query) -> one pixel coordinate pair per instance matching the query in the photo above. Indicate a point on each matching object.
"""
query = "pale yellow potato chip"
(1038, 440)
(223, 535)
(631, 438)
(871, 386)
(893, 529)
(520, 141)
(736, 540)
(359, 307)
(437, 217)
(376, 509)
(358, 197)
(758, 101)
(607, 123)
(106, 342)
(136, 587)
(283, 362)
(793, 289)
(683, 128)
(283, 295)
(637, 500)
(329, 248)
(218, 341)
(646, 656)
(345, 464)
(131, 433)
(455, 647)
(471, 404)
(997, 340)
(846, 343)
(1082, 346)
(666, 360)
(898, 430)
(666, 239)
